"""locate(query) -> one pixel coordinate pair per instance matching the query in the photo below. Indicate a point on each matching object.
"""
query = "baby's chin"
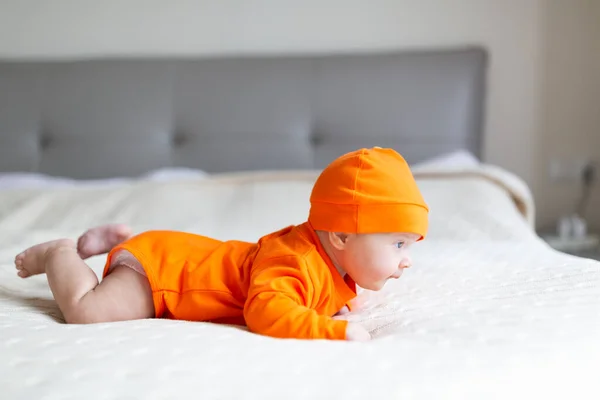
(375, 286)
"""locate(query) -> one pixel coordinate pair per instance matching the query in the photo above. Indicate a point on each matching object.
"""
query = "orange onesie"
(283, 286)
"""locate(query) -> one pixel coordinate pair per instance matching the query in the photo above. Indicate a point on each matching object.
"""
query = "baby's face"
(372, 259)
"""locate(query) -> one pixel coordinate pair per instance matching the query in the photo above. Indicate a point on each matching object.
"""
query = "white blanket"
(488, 310)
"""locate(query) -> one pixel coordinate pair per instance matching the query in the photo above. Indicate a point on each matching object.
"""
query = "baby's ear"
(337, 239)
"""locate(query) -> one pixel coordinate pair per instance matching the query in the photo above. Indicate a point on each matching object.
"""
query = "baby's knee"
(83, 311)
(80, 315)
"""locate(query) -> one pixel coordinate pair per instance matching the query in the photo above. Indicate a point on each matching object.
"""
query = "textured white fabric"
(488, 311)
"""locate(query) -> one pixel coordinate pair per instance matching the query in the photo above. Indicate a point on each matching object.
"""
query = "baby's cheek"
(378, 273)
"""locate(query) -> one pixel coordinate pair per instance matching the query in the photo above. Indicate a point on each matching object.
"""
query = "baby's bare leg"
(123, 295)
(101, 239)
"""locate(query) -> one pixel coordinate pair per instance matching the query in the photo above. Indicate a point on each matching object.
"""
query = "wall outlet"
(568, 170)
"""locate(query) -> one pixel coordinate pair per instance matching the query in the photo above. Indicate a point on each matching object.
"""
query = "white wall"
(514, 31)
(570, 104)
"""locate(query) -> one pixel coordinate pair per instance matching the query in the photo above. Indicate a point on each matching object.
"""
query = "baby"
(366, 211)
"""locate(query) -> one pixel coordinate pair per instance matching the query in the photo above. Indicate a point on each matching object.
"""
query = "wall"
(570, 104)
(514, 31)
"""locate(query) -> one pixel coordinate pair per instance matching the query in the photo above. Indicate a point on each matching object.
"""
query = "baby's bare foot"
(102, 239)
(33, 260)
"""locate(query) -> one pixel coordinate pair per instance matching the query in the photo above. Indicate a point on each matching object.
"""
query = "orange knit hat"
(368, 191)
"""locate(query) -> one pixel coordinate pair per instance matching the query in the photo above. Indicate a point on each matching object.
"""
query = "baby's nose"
(405, 263)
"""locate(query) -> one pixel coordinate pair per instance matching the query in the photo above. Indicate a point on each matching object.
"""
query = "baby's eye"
(399, 245)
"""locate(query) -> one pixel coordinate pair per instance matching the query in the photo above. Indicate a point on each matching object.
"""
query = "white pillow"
(12, 180)
(26, 180)
(455, 159)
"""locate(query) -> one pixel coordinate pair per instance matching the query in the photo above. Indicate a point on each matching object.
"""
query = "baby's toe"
(81, 241)
(83, 245)
(23, 273)
(19, 259)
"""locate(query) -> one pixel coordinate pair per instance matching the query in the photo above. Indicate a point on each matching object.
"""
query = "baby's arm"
(277, 306)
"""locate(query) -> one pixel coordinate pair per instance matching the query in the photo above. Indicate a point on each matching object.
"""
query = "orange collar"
(345, 287)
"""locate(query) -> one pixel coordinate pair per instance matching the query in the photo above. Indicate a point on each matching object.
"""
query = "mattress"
(488, 310)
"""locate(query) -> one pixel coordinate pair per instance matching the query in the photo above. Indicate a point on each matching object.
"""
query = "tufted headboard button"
(45, 141)
(316, 139)
(179, 139)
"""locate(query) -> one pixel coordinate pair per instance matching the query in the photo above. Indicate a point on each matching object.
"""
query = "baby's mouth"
(397, 274)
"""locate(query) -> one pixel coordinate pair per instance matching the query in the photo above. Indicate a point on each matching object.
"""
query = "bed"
(229, 147)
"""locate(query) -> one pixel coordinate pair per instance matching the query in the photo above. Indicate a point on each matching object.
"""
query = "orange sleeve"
(277, 304)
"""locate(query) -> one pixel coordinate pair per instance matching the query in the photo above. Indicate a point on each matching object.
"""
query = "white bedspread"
(488, 311)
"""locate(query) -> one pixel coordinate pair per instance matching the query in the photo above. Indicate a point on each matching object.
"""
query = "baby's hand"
(342, 313)
(355, 332)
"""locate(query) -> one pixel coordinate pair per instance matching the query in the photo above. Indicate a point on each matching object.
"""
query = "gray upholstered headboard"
(124, 117)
